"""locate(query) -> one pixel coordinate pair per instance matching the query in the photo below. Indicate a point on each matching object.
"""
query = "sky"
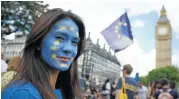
(143, 15)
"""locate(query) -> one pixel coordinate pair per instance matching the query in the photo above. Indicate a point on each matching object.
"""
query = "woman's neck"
(53, 78)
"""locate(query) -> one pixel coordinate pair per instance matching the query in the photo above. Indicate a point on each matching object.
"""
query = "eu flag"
(137, 78)
(118, 35)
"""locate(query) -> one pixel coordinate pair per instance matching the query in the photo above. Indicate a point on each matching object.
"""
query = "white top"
(143, 92)
(3, 66)
(108, 86)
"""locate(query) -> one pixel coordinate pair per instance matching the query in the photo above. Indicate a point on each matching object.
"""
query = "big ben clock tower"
(163, 40)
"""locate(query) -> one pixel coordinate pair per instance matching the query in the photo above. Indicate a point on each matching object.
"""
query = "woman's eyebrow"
(65, 34)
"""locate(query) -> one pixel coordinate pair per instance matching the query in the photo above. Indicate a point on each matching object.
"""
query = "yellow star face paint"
(72, 28)
(62, 27)
(54, 56)
(56, 42)
(53, 48)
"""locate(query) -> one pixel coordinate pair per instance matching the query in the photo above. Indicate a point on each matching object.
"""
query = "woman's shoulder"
(21, 91)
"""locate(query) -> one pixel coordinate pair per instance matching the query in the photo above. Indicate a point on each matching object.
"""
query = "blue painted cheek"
(47, 52)
(67, 46)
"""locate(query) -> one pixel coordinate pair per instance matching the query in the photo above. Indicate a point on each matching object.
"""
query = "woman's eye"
(60, 38)
(75, 43)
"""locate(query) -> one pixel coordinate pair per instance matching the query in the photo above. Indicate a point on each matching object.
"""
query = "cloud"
(138, 23)
(141, 62)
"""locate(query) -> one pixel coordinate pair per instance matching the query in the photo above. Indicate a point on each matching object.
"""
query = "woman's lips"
(64, 59)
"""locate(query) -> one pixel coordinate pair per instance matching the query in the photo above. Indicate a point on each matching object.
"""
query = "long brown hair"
(35, 70)
(13, 63)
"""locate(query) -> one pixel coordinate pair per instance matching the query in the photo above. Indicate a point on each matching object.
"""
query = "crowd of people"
(158, 90)
(161, 89)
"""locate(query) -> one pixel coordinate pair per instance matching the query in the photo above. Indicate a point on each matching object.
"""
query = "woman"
(113, 88)
(48, 68)
(155, 86)
(106, 89)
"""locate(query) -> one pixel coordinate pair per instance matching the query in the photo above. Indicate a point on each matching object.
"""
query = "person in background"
(106, 89)
(88, 93)
(113, 88)
(130, 82)
(4, 65)
(12, 69)
(88, 84)
(150, 88)
(93, 93)
(142, 91)
(156, 87)
(172, 85)
(98, 94)
(82, 84)
(165, 92)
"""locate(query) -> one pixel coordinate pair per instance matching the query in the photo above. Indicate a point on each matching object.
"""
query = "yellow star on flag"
(119, 23)
(56, 42)
(62, 28)
(117, 27)
(116, 31)
(54, 56)
(53, 48)
(72, 28)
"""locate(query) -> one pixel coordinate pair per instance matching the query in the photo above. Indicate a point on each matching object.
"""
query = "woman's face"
(60, 45)
(153, 84)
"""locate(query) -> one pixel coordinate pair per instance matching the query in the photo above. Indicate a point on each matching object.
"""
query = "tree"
(144, 80)
(169, 72)
(19, 16)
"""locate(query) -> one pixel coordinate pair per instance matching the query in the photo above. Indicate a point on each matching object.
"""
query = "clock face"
(162, 30)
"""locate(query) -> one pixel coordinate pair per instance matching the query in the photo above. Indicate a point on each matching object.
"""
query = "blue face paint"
(59, 46)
